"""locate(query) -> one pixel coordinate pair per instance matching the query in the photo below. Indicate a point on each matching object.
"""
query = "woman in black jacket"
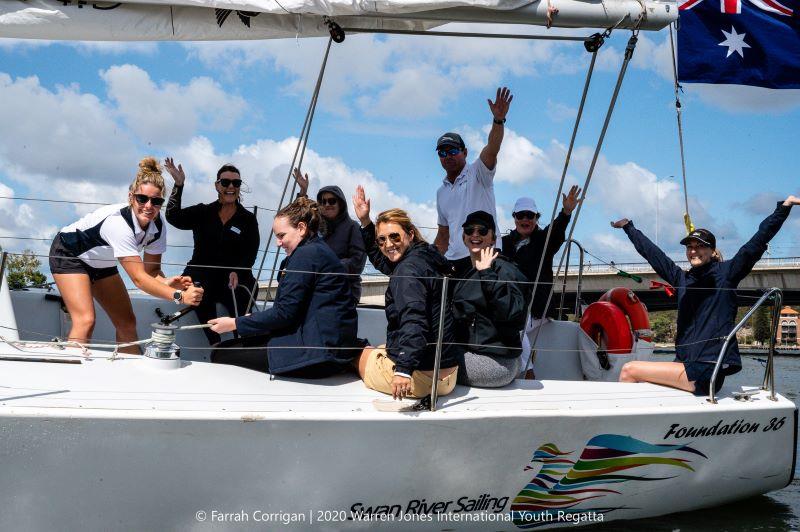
(225, 238)
(339, 231)
(312, 318)
(489, 309)
(706, 303)
(413, 302)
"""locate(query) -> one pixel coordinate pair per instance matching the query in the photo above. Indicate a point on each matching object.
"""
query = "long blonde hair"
(401, 218)
(149, 174)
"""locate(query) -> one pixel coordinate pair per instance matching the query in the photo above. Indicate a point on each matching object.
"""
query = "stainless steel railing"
(582, 252)
(769, 374)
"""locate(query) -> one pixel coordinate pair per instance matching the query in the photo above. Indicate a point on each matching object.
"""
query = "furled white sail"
(184, 20)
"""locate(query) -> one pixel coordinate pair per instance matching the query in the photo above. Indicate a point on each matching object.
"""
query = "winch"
(162, 343)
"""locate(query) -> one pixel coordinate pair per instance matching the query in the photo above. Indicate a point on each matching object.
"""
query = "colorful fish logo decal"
(562, 485)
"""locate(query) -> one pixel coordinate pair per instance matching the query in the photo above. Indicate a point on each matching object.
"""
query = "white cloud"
(519, 160)
(560, 112)
(85, 47)
(170, 114)
(62, 132)
(419, 72)
(265, 164)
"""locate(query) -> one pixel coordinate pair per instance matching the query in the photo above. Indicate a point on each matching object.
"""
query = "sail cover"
(153, 20)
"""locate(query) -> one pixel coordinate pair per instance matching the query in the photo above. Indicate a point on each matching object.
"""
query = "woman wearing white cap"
(707, 307)
(525, 244)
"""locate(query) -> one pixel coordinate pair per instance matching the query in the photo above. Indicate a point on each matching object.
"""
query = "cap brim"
(688, 239)
(453, 144)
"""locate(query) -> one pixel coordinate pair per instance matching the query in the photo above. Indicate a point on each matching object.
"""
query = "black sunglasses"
(526, 215)
(228, 182)
(451, 151)
(142, 199)
(396, 238)
(482, 230)
(328, 201)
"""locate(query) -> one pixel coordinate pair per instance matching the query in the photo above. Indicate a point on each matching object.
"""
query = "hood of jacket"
(329, 225)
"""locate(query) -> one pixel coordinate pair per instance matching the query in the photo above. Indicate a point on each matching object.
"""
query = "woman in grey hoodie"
(339, 231)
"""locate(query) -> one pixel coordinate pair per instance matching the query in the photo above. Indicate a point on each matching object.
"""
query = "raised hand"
(570, 200)
(487, 257)
(499, 107)
(302, 181)
(361, 205)
(791, 200)
(176, 172)
(619, 224)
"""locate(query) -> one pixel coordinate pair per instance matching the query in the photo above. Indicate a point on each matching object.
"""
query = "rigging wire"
(687, 219)
(302, 141)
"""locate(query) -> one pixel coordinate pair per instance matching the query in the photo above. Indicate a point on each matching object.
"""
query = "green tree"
(23, 270)
(663, 325)
(761, 325)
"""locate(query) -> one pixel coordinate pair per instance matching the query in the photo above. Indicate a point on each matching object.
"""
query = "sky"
(77, 118)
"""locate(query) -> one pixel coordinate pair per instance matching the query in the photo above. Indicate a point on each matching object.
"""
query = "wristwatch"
(177, 296)
(499, 121)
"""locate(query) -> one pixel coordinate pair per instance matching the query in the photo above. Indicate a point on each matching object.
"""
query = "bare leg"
(113, 297)
(671, 374)
(76, 291)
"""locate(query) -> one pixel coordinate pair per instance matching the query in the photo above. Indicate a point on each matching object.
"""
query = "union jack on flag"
(743, 42)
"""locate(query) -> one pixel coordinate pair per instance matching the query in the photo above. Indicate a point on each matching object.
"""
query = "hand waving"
(791, 200)
(570, 200)
(487, 257)
(361, 205)
(302, 181)
(619, 224)
(499, 107)
(176, 172)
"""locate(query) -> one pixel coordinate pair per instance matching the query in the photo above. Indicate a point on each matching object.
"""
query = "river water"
(779, 510)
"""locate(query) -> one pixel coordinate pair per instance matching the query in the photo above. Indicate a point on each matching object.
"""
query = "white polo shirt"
(110, 232)
(472, 190)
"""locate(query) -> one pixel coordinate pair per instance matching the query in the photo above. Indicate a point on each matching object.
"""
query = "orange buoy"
(604, 318)
(632, 306)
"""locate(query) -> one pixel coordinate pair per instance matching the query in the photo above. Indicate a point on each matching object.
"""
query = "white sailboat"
(92, 439)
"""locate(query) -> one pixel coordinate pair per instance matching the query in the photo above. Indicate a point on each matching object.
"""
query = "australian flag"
(742, 42)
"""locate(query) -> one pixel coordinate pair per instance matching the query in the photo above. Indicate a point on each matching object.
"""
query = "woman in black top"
(225, 237)
(706, 303)
(413, 299)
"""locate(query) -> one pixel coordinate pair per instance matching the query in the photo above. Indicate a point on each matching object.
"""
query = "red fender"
(607, 318)
(633, 308)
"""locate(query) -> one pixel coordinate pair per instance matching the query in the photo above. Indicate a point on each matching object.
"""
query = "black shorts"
(700, 373)
(62, 261)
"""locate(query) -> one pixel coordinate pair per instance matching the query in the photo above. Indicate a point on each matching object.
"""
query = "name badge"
(236, 230)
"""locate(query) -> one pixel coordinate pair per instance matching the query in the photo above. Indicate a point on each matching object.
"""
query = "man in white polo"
(467, 187)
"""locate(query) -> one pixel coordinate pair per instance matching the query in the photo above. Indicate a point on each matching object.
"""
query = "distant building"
(787, 332)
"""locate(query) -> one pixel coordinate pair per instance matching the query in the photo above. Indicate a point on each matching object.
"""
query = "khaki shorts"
(379, 373)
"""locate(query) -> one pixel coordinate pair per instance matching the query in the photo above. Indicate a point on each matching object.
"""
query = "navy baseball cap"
(704, 236)
(450, 139)
(480, 218)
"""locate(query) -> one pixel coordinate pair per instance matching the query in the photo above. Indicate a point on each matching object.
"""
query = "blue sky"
(78, 116)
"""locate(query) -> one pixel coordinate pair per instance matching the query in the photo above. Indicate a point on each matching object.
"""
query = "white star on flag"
(735, 42)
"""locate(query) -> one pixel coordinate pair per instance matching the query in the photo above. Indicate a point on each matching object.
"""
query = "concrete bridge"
(781, 272)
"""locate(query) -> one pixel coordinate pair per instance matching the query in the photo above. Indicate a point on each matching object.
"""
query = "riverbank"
(669, 349)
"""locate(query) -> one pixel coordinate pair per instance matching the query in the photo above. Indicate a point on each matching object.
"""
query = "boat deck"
(135, 386)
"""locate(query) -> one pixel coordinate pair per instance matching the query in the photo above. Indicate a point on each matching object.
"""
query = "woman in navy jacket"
(706, 303)
(413, 301)
(313, 315)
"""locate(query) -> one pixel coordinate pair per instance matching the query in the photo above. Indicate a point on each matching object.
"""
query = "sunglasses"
(526, 215)
(228, 182)
(396, 238)
(142, 199)
(451, 151)
(482, 230)
(328, 201)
